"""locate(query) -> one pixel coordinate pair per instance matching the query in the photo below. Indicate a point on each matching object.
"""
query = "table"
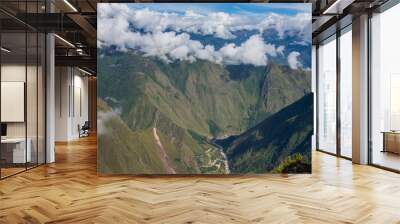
(391, 141)
(15, 148)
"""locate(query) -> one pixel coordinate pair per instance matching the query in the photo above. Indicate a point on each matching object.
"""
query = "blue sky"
(231, 8)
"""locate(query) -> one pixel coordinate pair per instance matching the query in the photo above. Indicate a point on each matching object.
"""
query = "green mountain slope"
(274, 140)
(198, 95)
(124, 151)
(190, 103)
(119, 148)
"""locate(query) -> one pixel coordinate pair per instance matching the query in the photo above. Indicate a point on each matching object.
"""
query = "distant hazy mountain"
(293, 42)
(159, 117)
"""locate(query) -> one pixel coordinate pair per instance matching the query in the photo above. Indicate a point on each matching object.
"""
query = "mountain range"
(186, 117)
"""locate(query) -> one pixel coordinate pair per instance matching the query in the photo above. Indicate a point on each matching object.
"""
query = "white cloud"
(302, 42)
(166, 34)
(103, 118)
(287, 25)
(170, 46)
(293, 60)
(280, 50)
(213, 23)
(219, 24)
(253, 51)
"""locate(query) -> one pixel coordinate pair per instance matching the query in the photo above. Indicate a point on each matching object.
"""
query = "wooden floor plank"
(70, 191)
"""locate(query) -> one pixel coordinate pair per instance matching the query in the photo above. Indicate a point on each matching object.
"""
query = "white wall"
(16, 73)
(81, 104)
(10, 73)
(62, 81)
(33, 126)
(71, 94)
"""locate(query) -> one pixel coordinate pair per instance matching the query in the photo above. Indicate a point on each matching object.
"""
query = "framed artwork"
(204, 88)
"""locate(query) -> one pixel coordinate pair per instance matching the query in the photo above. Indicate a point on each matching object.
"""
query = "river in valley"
(221, 150)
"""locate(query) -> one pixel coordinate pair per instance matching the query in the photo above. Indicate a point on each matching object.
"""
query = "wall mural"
(204, 88)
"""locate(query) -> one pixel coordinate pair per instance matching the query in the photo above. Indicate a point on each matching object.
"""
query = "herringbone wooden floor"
(70, 191)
